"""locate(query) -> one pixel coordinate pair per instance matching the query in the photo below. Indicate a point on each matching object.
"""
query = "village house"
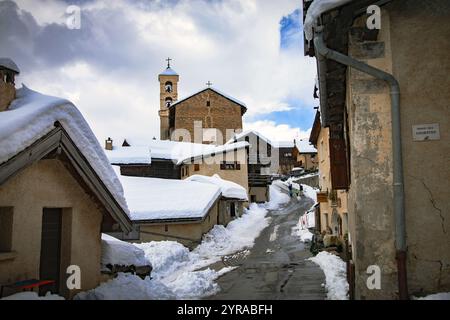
(384, 106)
(305, 155)
(179, 160)
(58, 193)
(207, 116)
(332, 210)
(179, 210)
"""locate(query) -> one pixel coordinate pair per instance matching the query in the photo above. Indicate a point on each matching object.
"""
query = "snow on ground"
(310, 192)
(182, 274)
(277, 198)
(28, 295)
(435, 296)
(304, 234)
(128, 287)
(117, 252)
(335, 275)
(32, 115)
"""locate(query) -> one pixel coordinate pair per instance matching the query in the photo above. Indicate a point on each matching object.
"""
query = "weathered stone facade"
(168, 94)
(424, 93)
(212, 111)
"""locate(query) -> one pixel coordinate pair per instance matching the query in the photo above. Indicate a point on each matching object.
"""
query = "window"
(208, 103)
(287, 155)
(6, 226)
(196, 167)
(168, 102)
(230, 165)
(166, 228)
(168, 86)
(232, 209)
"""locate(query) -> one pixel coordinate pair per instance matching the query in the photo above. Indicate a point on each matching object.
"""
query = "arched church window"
(168, 86)
(168, 102)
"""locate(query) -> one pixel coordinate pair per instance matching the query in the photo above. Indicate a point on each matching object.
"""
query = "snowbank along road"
(276, 267)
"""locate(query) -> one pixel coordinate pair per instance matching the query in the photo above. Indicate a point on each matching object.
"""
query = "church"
(208, 116)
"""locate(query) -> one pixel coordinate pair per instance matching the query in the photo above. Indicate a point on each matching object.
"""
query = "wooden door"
(51, 248)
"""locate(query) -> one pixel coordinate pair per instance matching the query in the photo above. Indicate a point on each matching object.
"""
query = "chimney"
(109, 144)
(8, 72)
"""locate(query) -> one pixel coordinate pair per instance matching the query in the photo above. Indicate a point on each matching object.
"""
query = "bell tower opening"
(168, 94)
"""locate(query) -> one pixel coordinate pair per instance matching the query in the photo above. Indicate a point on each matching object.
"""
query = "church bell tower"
(168, 84)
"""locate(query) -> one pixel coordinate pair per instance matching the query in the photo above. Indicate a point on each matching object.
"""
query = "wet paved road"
(276, 267)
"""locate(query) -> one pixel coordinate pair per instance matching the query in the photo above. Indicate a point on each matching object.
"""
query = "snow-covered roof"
(9, 64)
(228, 188)
(273, 143)
(304, 146)
(153, 199)
(129, 155)
(283, 144)
(32, 115)
(168, 72)
(207, 152)
(178, 152)
(315, 10)
(216, 91)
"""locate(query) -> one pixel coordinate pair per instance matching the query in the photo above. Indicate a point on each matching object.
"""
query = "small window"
(196, 167)
(166, 228)
(168, 102)
(186, 171)
(230, 166)
(232, 209)
(6, 227)
(208, 103)
(168, 86)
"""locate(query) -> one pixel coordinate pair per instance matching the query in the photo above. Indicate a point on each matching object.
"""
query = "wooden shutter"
(338, 164)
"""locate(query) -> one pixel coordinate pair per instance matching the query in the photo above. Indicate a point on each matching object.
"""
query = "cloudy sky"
(250, 49)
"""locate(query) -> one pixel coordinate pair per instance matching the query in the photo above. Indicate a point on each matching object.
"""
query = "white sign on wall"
(426, 132)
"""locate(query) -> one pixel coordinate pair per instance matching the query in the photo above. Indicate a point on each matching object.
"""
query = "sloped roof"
(155, 200)
(216, 91)
(7, 63)
(304, 146)
(273, 143)
(32, 117)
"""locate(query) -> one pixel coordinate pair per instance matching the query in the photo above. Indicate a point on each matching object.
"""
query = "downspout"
(399, 194)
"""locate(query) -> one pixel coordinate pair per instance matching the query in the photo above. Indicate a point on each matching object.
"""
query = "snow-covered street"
(277, 266)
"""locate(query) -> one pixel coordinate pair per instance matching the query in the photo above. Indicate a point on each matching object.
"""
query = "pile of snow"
(435, 296)
(28, 295)
(182, 274)
(155, 199)
(304, 234)
(229, 189)
(315, 10)
(335, 275)
(128, 287)
(32, 115)
(277, 197)
(310, 192)
(129, 155)
(240, 234)
(165, 256)
(121, 253)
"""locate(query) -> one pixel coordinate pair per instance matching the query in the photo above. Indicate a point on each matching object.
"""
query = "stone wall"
(222, 114)
(413, 45)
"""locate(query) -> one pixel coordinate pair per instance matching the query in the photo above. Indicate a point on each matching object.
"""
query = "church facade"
(207, 116)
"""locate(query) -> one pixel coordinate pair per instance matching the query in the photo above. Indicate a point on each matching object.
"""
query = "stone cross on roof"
(209, 84)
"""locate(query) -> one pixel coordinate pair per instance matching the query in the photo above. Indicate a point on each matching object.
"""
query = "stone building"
(305, 155)
(207, 116)
(384, 99)
(332, 209)
(57, 194)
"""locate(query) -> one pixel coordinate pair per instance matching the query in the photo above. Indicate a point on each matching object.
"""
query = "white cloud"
(111, 71)
(277, 132)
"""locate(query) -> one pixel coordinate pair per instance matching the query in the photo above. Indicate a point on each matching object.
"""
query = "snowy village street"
(276, 267)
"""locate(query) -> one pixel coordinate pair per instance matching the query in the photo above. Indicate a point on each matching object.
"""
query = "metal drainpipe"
(399, 194)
